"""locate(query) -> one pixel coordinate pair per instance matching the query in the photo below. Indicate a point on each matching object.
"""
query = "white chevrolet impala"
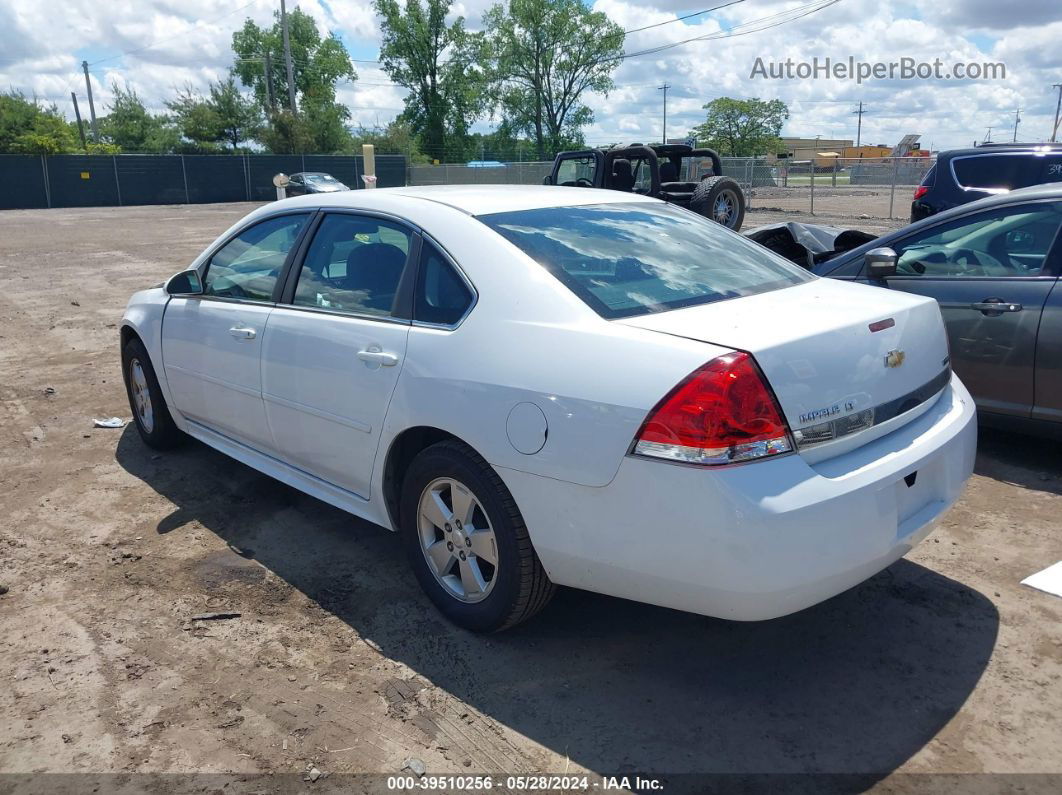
(540, 386)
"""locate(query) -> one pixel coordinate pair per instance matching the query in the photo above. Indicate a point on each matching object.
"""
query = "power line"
(790, 16)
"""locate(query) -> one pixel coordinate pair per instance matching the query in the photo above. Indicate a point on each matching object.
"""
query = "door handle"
(996, 305)
(243, 333)
(378, 357)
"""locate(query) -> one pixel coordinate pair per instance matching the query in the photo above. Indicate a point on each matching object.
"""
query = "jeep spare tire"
(721, 199)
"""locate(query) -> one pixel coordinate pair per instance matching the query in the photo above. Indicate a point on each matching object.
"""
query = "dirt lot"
(941, 664)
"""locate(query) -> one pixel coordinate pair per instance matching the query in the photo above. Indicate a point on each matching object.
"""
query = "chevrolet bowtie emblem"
(894, 358)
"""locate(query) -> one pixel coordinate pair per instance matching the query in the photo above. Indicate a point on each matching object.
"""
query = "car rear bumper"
(759, 540)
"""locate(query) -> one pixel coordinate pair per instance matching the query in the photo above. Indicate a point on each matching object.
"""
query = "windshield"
(631, 259)
(322, 179)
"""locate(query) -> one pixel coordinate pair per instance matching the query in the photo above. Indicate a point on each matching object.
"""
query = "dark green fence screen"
(30, 181)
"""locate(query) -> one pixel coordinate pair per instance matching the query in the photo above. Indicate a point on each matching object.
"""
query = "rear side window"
(354, 264)
(631, 259)
(986, 172)
(441, 297)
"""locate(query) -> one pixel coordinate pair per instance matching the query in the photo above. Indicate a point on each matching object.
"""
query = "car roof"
(480, 199)
(1000, 149)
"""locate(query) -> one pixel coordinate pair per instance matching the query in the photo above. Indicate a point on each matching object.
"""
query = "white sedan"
(540, 386)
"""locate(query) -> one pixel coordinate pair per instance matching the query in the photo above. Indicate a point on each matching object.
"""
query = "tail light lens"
(721, 413)
(921, 191)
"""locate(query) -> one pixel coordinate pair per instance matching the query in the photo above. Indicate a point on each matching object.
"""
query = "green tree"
(198, 123)
(743, 127)
(238, 118)
(131, 127)
(223, 118)
(28, 127)
(397, 138)
(319, 64)
(544, 56)
(439, 64)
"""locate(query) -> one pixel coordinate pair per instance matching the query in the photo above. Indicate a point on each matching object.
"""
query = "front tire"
(467, 542)
(150, 413)
(720, 199)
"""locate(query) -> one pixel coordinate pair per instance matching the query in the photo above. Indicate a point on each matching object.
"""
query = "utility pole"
(80, 126)
(92, 107)
(1017, 121)
(1058, 107)
(859, 124)
(271, 104)
(988, 137)
(287, 55)
(664, 88)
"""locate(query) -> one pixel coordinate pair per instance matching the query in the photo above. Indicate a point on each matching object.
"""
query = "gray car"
(993, 266)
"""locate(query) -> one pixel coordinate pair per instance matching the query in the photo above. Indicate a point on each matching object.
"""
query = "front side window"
(629, 259)
(247, 267)
(354, 264)
(1008, 241)
(441, 297)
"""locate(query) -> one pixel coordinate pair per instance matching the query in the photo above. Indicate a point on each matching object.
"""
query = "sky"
(158, 47)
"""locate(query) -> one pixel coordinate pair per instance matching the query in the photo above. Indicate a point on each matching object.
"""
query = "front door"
(335, 346)
(991, 274)
(211, 343)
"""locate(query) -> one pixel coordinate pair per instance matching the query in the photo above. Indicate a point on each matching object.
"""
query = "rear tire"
(150, 413)
(467, 542)
(720, 199)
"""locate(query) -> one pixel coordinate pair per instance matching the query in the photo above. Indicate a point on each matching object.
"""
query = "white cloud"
(188, 42)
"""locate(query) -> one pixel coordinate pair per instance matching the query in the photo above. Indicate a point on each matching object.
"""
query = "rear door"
(991, 273)
(336, 344)
(211, 343)
(1049, 360)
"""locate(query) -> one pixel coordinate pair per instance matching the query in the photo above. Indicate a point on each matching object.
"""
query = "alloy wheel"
(138, 388)
(457, 540)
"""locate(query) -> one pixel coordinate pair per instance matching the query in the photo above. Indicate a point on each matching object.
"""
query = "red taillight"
(721, 413)
(921, 191)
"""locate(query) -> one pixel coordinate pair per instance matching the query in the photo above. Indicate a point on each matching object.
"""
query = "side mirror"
(547, 180)
(880, 262)
(185, 283)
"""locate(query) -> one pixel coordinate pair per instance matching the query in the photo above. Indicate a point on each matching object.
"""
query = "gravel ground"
(942, 664)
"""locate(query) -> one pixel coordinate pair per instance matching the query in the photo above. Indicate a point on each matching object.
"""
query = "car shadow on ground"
(1032, 462)
(856, 685)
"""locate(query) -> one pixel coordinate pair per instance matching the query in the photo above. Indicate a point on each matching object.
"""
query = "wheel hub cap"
(138, 388)
(457, 540)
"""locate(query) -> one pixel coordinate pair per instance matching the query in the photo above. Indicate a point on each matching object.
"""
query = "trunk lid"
(838, 381)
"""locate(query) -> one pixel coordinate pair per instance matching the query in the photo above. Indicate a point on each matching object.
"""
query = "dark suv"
(965, 175)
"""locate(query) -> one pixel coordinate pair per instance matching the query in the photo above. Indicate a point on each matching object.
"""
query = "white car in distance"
(538, 385)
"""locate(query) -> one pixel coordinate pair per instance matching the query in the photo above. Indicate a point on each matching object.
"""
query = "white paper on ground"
(1049, 580)
(113, 422)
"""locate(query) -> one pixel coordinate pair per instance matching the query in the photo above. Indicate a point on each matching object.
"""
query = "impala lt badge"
(894, 358)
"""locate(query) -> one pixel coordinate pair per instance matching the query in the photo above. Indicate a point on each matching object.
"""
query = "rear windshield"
(632, 259)
(996, 171)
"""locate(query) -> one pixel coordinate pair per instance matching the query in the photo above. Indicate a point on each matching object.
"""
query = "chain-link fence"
(852, 187)
(463, 174)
